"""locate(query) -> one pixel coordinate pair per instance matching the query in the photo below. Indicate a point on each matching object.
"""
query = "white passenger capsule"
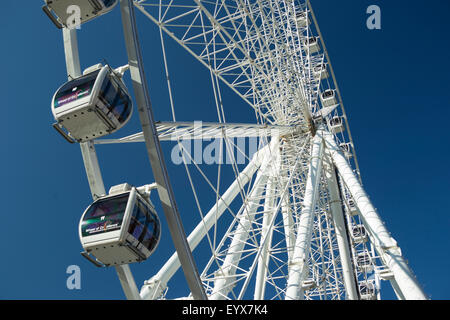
(359, 233)
(367, 290)
(91, 106)
(328, 98)
(336, 124)
(64, 13)
(351, 207)
(364, 261)
(120, 228)
(302, 19)
(347, 148)
(313, 44)
(321, 71)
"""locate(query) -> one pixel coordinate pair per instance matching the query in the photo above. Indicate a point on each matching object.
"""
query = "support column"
(385, 245)
(265, 241)
(224, 284)
(154, 151)
(341, 232)
(89, 155)
(87, 148)
(71, 53)
(286, 210)
(397, 290)
(299, 266)
(92, 167)
(288, 224)
(127, 281)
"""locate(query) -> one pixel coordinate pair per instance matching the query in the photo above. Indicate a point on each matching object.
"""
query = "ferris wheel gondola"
(359, 233)
(320, 71)
(336, 124)
(302, 19)
(367, 290)
(312, 44)
(329, 98)
(92, 106)
(60, 11)
(120, 228)
(364, 261)
(347, 148)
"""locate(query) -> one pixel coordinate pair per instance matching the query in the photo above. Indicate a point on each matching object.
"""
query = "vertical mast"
(90, 159)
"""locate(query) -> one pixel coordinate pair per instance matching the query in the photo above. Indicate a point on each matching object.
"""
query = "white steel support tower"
(296, 222)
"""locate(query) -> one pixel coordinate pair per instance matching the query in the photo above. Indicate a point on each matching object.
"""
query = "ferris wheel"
(295, 223)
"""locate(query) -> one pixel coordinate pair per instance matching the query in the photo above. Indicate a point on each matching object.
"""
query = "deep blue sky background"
(394, 83)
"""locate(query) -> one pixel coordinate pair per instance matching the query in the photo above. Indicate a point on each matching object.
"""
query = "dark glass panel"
(104, 215)
(75, 89)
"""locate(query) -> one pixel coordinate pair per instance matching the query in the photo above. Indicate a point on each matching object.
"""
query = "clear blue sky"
(394, 83)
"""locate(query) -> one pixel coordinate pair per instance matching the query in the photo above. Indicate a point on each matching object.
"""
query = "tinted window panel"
(137, 222)
(104, 216)
(109, 93)
(108, 3)
(150, 237)
(144, 226)
(75, 89)
(115, 99)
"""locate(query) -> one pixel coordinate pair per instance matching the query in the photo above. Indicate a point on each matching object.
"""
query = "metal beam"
(71, 53)
(385, 245)
(87, 148)
(341, 231)
(127, 281)
(298, 265)
(92, 167)
(397, 290)
(288, 224)
(89, 154)
(270, 209)
(265, 239)
(154, 150)
(174, 131)
(155, 286)
(227, 272)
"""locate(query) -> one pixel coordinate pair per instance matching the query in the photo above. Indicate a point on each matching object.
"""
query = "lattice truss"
(255, 47)
(268, 52)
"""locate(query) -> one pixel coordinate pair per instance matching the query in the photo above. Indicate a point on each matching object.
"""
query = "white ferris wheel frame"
(327, 163)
